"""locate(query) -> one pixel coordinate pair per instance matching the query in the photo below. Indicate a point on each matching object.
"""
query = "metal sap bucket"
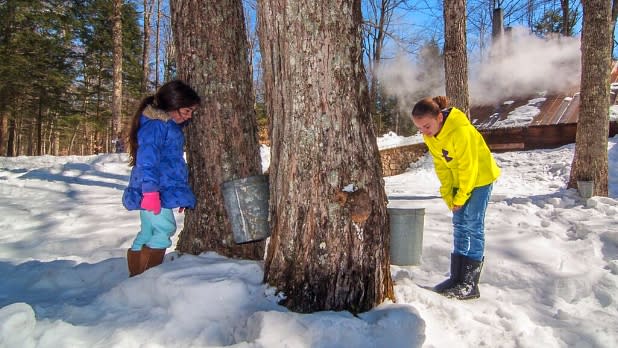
(246, 204)
(585, 188)
(406, 235)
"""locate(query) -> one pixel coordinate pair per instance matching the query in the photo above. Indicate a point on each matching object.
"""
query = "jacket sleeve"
(467, 165)
(446, 180)
(150, 137)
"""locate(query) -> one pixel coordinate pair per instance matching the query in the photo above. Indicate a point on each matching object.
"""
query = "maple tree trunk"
(590, 160)
(329, 248)
(455, 54)
(222, 143)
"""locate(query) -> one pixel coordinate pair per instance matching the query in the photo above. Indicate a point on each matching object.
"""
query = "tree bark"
(383, 12)
(329, 248)
(455, 54)
(38, 124)
(148, 6)
(613, 24)
(157, 43)
(222, 138)
(3, 131)
(590, 160)
(11, 135)
(117, 70)
(566, 28)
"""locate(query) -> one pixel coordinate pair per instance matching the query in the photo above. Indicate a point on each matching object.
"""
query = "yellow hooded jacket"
(461, 157)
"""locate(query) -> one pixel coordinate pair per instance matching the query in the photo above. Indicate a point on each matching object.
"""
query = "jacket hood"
(156, 114)
(456, 118)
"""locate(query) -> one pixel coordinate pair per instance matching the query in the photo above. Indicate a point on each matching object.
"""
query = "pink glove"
(151, 202)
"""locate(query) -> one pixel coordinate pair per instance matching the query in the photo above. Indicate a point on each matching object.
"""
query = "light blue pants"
(469, 224)
(156, 231)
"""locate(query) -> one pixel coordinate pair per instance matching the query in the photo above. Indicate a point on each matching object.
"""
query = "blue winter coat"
(160, 165)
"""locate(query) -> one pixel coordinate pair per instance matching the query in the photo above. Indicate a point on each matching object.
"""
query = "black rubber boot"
(468, 287)
(455, 276)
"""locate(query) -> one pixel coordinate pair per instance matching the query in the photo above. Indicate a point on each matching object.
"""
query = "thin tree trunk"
(566, 28)
(378, 43)
(53, 137)
(31, 138)
(39, 129)
(613, 24)
(117, 72)
(148, 7)
(12, 130)
(72, 141)
(330, 233)
(157, 43)
(455, 54)
(3, 132)
(222, 141)
(590, 160)
(170, 54)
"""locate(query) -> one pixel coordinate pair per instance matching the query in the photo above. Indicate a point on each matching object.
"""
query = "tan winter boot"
(134, 261)
(153, 257)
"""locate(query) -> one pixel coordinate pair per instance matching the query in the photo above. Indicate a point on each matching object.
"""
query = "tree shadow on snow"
(48, 286)
(73, 173)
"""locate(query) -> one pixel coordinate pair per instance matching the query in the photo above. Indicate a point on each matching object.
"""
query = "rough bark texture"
(590, 159)
(614, 18)
(117, 69)
(222, 138)
(329, 248)
(455, 54)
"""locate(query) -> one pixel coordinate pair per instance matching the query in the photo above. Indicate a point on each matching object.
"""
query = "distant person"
(466, 170)
(119, 143)
(159, 178)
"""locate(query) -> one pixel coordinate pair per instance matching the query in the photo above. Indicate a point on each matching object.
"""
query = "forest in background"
(57, 59)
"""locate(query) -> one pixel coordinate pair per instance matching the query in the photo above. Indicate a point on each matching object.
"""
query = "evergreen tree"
(34, 70)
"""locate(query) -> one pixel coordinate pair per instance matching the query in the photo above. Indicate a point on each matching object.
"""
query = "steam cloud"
(520, 64)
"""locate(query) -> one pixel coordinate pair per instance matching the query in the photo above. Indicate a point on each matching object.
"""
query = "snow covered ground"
(550, 277)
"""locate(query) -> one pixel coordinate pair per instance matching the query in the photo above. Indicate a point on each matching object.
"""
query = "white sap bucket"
(246, 204)
(406, 235)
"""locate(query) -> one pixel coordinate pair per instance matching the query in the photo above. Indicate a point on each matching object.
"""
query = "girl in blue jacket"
(159, 177)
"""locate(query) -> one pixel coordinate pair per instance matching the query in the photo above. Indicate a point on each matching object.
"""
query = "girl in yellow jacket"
(466, 170)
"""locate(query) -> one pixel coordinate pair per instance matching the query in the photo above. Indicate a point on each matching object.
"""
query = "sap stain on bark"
(357, 203)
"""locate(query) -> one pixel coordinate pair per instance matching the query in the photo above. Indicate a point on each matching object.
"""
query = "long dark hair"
(430, 107)
(171, 96)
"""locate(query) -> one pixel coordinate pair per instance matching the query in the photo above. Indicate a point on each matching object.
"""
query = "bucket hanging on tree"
(246, 204)
(406, 235)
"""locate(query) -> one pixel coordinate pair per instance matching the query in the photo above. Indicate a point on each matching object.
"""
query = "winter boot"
(454, 277)
(134, 262)
(152, 257)
(468, 287)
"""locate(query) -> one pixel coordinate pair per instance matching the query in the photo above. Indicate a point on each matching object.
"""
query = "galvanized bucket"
(246, 204)
(585, 188)
(406, 235)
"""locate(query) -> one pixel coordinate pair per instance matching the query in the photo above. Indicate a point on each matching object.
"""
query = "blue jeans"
(469, 224)
(156, 231)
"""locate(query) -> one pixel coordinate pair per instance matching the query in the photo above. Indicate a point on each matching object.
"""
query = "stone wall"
(397, 159)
